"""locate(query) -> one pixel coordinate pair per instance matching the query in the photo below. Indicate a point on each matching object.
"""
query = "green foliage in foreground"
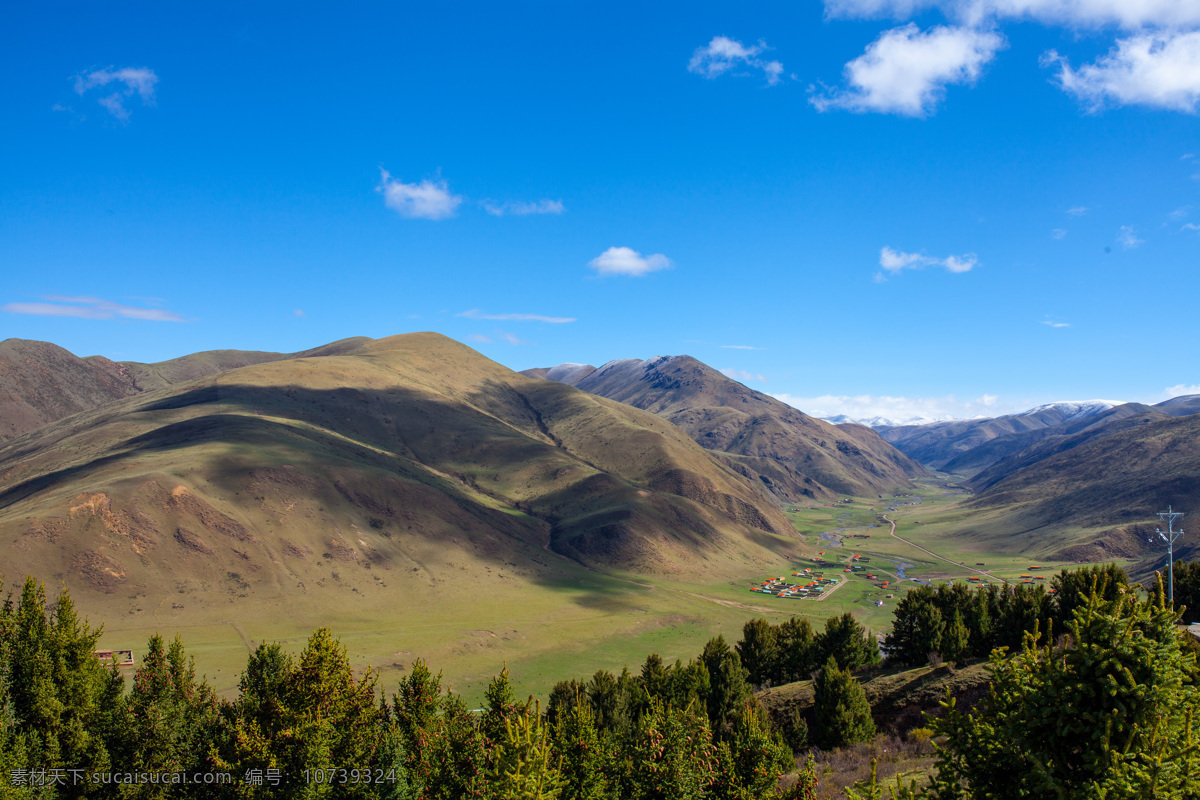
(791, 651)
(1108, 710)
(954, 622)
(840, 708)
(307, 726)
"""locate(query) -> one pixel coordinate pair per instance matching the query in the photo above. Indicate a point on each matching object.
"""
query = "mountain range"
(794, 455)
(401, 455)
(1080, 481)
(401, 461)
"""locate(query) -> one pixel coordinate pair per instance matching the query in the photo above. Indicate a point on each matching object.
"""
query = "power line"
(1169, 537)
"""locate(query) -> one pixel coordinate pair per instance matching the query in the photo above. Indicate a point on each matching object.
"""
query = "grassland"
(572, 621)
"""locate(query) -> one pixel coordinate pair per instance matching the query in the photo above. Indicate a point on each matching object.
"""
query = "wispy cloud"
(90, 308)
(425, 200)
(1178, 390)
(743, 375)
(723, 55)
(1160, 70)
(1127, 237)
(896, 261)
(509, 338)
(519, 208)
(901, 409)
(128, 82)
(627, 261)
(1190, 226)
(906, 71)
(475, 313)
(1055, 324)
(740, 347)
(1179, 213)
(1078, 211)
(298, 312)
(1059, 233)
(478, 338)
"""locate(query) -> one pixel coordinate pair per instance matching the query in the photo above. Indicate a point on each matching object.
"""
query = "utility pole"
(1169, 537)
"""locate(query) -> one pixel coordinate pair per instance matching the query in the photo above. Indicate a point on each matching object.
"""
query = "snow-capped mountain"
(886, 422)
(1073, 409)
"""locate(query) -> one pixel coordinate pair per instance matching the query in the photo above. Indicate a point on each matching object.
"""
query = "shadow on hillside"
(409, 434)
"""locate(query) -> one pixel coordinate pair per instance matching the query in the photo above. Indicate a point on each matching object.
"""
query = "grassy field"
(576, 621)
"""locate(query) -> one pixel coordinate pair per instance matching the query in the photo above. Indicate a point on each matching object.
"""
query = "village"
(813, 583)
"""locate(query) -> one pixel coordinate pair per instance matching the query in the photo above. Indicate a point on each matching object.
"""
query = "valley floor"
(583, 620)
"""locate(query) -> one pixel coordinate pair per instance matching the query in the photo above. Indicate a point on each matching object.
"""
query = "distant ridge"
(41, 382)
(1110, 481)
(955, 445)
(794, 455)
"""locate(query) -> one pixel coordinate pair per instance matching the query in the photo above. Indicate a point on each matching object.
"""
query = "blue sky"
(864, 206)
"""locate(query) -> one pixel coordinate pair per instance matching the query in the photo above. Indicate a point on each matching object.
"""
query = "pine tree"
(499, 705)
(955, 639)
(848, 643)
(758, 651)
(1110, 713)
(169, 718)
(727, 687)
(526, 766)
(758, 754)
(841, 713)
(917, 630)
(304, 714)
(585, 764)
(796, 644)
(65, 703)
(671, 756)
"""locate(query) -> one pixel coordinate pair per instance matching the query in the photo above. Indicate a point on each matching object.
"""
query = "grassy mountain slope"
(995, 458)
(401, 456)
(791, 453)
(1180, 406)
(1107, 489)
(937, 444)
(41, 382)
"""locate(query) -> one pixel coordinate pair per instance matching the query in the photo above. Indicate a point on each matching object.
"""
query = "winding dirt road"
(935, 555)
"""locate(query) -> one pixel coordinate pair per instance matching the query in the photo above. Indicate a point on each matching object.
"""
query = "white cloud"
(743, 375)
(1128, 238)
(475, 313)
(1054, 324)
(1179, 213)
(130, 81)
(1160, 69)
(1178, 390)
(519, 208)
(627, 261)
(1128, 14)
(1078, 211)
(299, 312)
(424, 200)
(723, 54)
(510, 338)
(895, 261)
(90, 308)
(1058, 233)
(906, 71)
(1190, 226)
(478, 338)
(900, 409)
(740, 347)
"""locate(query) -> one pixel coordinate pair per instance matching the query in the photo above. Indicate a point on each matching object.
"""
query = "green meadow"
(581, 620)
